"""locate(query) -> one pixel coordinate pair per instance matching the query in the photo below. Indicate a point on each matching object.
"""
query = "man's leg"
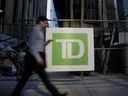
(43, 75)
(21, 83)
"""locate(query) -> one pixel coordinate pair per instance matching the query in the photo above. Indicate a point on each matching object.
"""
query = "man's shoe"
(64, 94)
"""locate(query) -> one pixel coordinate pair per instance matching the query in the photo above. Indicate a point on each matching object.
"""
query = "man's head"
(43, 21)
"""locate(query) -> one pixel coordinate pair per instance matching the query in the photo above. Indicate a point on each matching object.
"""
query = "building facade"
(107, 17)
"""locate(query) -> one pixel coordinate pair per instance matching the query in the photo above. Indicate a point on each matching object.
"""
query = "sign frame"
(59, 67)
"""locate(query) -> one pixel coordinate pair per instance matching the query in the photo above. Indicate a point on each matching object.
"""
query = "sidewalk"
(93, 85)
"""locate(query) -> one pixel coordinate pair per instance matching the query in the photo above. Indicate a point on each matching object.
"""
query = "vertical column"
(116, 10)
(9, 11)
(71, 9)
(100, 9)
(71, 12)
(82, 13)
(19, 10)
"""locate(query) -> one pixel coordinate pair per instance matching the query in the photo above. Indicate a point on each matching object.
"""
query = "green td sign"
(69, 48)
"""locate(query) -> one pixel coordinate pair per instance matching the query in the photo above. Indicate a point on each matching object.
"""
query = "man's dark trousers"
(31, 65)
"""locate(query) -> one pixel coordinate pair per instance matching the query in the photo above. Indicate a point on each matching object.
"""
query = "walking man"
(35, 58)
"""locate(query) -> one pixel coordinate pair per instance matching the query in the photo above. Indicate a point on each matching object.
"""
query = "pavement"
(90, 85)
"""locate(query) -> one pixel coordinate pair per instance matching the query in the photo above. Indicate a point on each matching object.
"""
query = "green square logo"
(70, 49)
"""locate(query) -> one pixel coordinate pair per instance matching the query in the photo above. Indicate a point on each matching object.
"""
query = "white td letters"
(66, 46)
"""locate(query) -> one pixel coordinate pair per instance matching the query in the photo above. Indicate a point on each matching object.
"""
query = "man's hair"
(41, 18)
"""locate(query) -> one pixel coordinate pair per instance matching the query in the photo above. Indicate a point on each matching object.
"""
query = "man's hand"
(40, 64)
(47, 42)
(41, 61)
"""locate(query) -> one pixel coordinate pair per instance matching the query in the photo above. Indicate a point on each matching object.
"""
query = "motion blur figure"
(35, 58)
